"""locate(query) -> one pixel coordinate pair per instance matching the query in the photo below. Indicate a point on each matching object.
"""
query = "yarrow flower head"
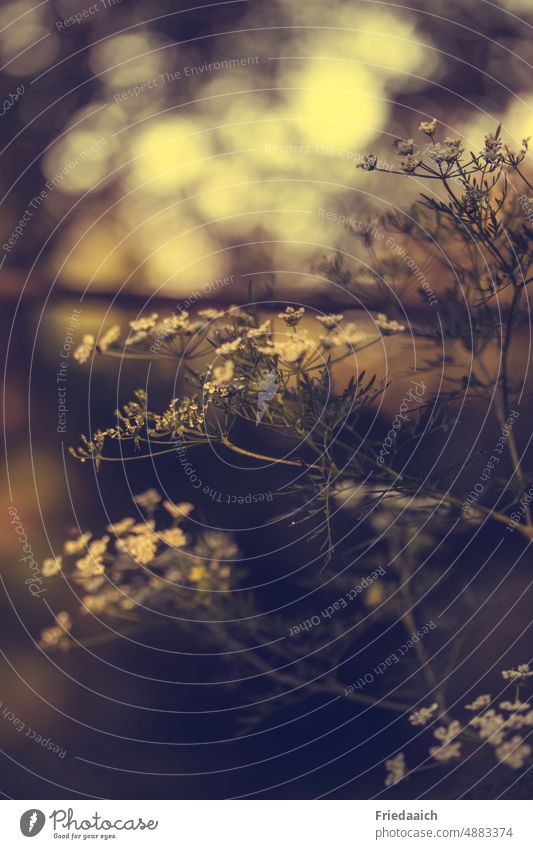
(410, 163)
(518, 675)
(329, 321)
(146, 323)
(223, 381)
(446, 752)
(480, 703)
(92, 564)
(178, 511)
(291, 350)
(141, 547)
(396, 769)
(428, 127)
(171, 325)
(490, 726)
(514, 752)
(57, 635)
(348, 334)
(424, 715)
(121, 527)
(404, 147)
(447, 153)
(369, 162)
(75, 546)
(229, 347)
(108, 338)
(148, 499)
(517, 705)
(446, 735)
(174, 537)
(410, 158)
(182, 415)
(224, 373)
(263, 330)
(449, 749)
(51, 566)
(141, 328)
(292, 316)
(84, 351)
(388, 325)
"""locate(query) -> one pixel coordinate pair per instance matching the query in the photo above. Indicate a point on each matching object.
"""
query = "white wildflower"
(428, 127)
(519, 674)
(388, 325)
(424, 715)
(108, 338)
(146, 323)
(210, 314)
(84, 351)
(51, 566)
(292, 316)
(178, 511)
(329, 321)
(75, 546)
(121, 527)
(480, 703)
(148, 499)
(173, 537)
(263, 330)
(350, 334)
(395, 769)
(229, 347)
(515, 706)
(513, 752)
(490, 726)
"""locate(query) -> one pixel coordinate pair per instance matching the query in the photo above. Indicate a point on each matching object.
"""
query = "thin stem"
(526, 181)
(300, 463)
(494, 514)
(322, 686)
(502, 414)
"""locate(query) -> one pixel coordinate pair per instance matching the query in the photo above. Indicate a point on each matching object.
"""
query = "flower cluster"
(519, 675)
(57, 636)
(276, 372)
(242, 336)
(497, 729)
(395, 769)
(423, 716)
(291, 350)
(369, 162)
(448, 155)
(409, 157)
(449, 748)
(388, 325)
(292, 316)
(146, 567)
(150, 336)
(428, 127)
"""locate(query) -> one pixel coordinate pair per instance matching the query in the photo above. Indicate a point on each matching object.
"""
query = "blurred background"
(149, 152)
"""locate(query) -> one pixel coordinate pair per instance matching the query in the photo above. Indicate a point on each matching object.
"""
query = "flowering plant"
(354, 487)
